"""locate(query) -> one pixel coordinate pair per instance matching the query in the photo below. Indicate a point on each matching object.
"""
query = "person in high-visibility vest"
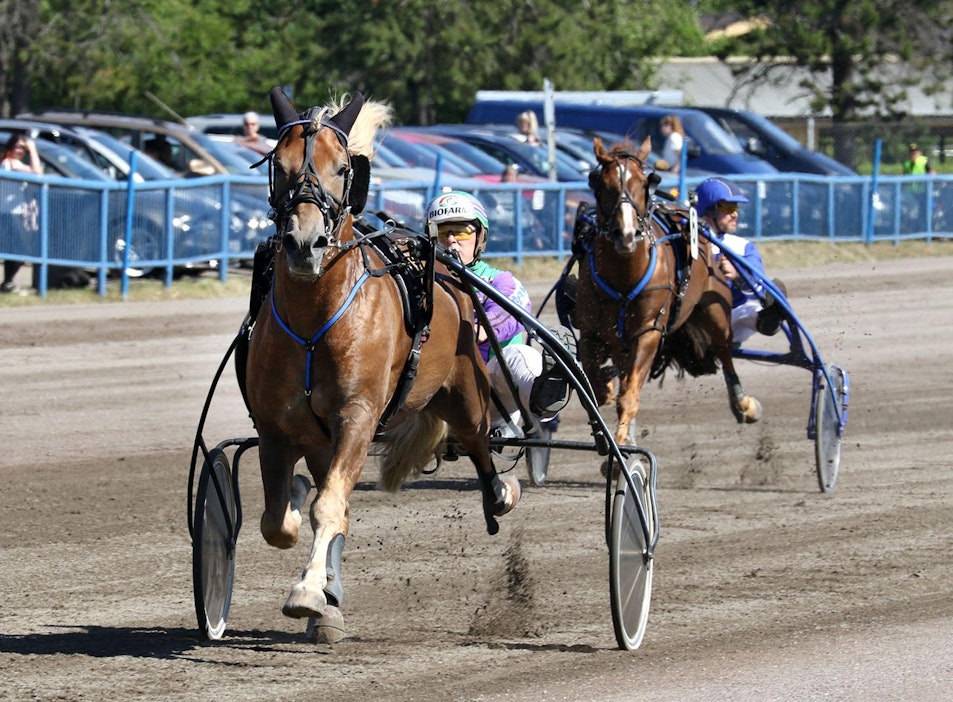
(917, 163)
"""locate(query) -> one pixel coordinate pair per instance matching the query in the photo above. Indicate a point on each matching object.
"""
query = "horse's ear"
(652, 182)
(345, 118)
(282, 108)
(360, 182)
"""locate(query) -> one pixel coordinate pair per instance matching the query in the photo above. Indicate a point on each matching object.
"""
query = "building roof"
(777, 91)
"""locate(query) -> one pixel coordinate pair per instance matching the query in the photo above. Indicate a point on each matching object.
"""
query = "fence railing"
(124, 230)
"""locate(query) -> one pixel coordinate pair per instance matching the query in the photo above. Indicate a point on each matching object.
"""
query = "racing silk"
(740, 291)
(508, 329)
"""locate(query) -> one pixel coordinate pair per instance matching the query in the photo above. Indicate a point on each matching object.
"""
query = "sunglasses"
(458, 233)
(727, 207)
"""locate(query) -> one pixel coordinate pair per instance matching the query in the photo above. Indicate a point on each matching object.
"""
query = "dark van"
(710, 148)
(763, 138)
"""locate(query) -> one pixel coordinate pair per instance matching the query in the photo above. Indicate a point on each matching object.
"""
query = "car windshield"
(146, 166)
(59, 160)
(227, 154)
(706, 132)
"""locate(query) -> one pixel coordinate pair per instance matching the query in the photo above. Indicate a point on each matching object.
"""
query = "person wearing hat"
(458, 221)
(717, 205)
(917, 163)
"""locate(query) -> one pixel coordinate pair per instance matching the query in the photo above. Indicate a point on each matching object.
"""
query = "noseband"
(643, 217)
(307, 186)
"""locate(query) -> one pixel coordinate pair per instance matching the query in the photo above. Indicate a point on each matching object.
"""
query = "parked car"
(183, 148)
(763, 138)
(506, 148)
(710, 148)
(248, 221)
(75, 216)
(227, 126)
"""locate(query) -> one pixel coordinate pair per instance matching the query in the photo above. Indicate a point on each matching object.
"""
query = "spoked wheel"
(537, 457)
(829, 418)
(214, 534)
(630, 565)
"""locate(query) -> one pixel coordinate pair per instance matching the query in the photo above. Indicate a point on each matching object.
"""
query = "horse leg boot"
(746, 408)
(329, 626)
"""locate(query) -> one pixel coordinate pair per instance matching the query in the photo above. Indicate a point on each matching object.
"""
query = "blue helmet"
(715, 190)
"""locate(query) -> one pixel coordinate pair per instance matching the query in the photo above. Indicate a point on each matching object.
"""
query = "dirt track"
(765, 589)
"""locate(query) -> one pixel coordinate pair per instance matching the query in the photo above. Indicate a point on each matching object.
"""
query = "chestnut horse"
(331, 347)
(643, 301)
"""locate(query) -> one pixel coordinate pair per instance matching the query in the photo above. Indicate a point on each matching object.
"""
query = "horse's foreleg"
(284, 496)
(631, 381)
(319, 593)
(746, 408)
(500, 492)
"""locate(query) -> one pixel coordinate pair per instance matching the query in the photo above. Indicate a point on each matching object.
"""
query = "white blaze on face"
(629, 231)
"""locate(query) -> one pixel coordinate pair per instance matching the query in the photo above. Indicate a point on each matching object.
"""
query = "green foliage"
(426, 57)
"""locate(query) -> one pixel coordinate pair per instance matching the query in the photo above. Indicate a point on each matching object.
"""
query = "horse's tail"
(410, 445)
(688, 348)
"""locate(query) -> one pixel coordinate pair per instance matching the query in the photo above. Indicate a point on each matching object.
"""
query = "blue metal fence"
(218, 220)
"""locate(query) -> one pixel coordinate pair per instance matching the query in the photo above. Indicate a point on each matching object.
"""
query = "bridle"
(643, 217)
(307, 186)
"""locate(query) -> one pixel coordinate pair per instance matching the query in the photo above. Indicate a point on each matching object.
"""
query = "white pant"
(744, 319)
(525, 365)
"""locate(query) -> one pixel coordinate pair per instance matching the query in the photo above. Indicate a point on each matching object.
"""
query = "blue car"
(710, 148)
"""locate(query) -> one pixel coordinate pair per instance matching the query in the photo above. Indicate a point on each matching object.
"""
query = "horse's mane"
(372, 117)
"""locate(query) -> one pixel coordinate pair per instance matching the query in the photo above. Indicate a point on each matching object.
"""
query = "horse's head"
(320, 175)
(622, 191)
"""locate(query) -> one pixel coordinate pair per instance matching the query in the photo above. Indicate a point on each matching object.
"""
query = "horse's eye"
(342, 171)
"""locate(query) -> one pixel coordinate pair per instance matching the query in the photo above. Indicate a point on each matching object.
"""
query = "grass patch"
(777, 255)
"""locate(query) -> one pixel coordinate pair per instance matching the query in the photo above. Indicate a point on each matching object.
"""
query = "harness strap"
(309, 344)
(617, 296)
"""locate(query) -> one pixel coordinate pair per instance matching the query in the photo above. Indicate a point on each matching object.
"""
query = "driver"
(717, 206)
(460, 224)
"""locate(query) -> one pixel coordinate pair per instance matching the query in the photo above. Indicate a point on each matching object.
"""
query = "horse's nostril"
(289, 243)
(320, 243)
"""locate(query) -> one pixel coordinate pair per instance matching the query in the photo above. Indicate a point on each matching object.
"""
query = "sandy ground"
(765, 589)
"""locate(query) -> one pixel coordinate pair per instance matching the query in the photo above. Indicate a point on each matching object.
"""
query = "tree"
(863, 54)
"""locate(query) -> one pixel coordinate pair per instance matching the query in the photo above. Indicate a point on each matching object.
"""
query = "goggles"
(460, 232)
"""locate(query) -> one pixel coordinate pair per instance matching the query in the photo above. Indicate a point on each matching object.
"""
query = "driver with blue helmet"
(717, 205)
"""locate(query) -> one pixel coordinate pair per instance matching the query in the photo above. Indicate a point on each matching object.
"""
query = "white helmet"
(458, 206)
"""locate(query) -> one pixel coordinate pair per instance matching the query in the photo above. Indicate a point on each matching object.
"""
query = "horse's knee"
(281, 532)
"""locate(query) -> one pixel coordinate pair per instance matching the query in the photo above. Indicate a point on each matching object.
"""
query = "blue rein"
(309, 344)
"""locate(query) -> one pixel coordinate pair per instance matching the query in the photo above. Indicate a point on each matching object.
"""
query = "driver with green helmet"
(459, 222)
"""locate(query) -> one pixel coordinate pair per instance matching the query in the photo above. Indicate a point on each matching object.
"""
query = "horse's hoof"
(751, 409)
(302, 603)
(327, 627)
(511, 494)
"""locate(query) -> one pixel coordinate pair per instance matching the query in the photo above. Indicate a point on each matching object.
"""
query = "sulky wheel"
(829, 417)
(214, 535)
(630, 565)
(537, 457)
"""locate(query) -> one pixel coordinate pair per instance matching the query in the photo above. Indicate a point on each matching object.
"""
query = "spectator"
(528, 127)
(251, 139)
(461, 225)
(717, 205)
(917, 163)
(19, 154)
(674, 134)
